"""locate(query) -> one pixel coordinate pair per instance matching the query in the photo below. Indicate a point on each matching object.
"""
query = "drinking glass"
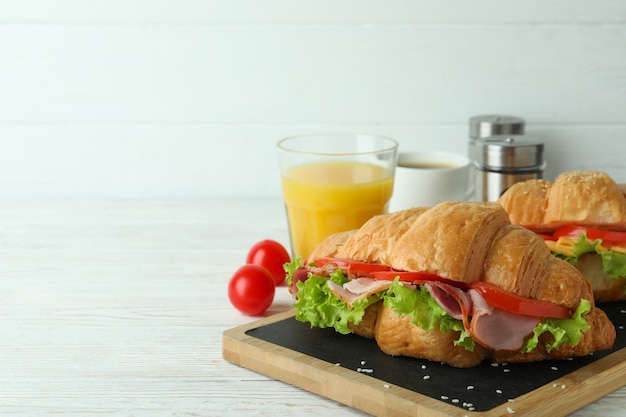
(333, 183)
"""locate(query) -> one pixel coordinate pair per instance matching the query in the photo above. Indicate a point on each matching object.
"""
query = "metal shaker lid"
(494, 124)
(509, 151)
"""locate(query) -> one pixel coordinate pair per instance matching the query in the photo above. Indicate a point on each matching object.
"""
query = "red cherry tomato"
(251, 289)
(272, 256)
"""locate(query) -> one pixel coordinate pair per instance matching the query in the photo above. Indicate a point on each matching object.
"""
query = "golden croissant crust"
(588, 198)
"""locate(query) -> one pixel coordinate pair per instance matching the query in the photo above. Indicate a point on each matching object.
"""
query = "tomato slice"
(520, 305)
(607, 237)
(547, 237)
(406, 276)
(378, 271)
(351, 266)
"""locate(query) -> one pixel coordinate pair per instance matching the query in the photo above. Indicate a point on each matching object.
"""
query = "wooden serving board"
(352, 370)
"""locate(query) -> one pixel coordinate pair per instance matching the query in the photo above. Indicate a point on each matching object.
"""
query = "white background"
(132, 99)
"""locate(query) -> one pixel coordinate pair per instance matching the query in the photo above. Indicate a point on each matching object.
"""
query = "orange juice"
(328, 197)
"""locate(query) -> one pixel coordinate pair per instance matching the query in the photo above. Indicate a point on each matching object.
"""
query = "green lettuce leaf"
(425, 311)
(564, 330)
(584, 245)
(613, 263)
(318, 306)
(290, 268)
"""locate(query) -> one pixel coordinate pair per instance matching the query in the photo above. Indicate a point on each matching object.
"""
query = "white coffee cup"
(427, 178)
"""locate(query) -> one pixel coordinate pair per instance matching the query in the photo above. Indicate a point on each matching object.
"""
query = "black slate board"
(475, 389)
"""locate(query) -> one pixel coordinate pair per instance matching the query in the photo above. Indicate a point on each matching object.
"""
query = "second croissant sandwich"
(456, 283)
(582, 218)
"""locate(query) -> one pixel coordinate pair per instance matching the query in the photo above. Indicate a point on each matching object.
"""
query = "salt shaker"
(503, 160)
(489, 125)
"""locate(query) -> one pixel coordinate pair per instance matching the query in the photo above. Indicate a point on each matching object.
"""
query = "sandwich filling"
(570, 242)
(335, 293)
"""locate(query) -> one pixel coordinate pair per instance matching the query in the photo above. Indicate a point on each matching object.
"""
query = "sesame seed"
(426, 377)
(470, 387)
(423, 366)
(506, 370)
(510, 410)
(563, 386)
(362, 362)
(498, 391)
(386, 386)
(444, 397)
(554, 368)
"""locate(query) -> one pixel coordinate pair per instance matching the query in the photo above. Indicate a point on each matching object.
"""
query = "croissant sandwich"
(582, 218)
(456, 283)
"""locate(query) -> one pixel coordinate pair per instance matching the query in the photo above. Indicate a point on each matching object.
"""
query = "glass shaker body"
(503, 160)
(485, 126)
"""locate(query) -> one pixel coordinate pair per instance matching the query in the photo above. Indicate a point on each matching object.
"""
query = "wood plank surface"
(119, 308)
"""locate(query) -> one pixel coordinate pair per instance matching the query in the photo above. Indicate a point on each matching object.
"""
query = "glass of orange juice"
(333, 183)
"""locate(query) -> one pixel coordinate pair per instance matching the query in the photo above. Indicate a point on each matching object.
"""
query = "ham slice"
(498, 329)
(367, 286)
(453, 300)
(342, 293)
(359, 288)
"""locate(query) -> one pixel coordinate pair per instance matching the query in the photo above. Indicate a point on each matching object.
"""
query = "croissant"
(456, 283)
(577, 203)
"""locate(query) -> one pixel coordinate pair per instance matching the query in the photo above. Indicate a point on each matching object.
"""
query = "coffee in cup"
(426, 178)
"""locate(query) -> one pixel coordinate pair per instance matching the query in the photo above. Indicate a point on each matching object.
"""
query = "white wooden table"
(118, 308)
